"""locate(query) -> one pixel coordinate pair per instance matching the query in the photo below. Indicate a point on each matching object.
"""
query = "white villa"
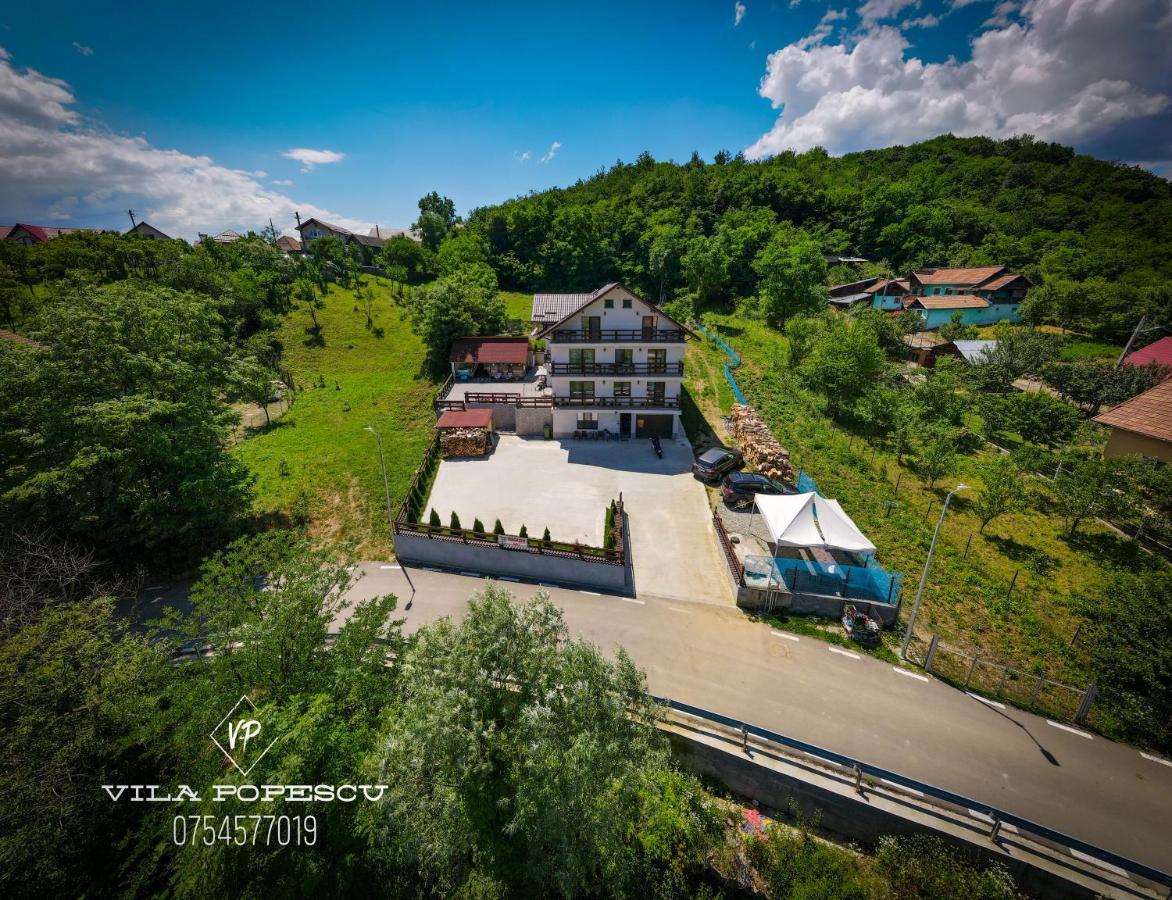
(616, 362)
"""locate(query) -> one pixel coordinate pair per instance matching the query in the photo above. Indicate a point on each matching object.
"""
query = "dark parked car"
(739, 488)
(710, 465)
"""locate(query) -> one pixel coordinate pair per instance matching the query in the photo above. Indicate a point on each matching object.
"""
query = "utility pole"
(383, 465)
(133, 224)
(298, 215)
(1139, 329)
(907, 636)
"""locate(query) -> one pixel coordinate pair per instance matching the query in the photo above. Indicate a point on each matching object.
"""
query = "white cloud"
(957, 4)
(876, 10)
(54, 164)
(1068, 70)
(833, 15)
(553, 149)
(928, 21)
(1003, 14)
(738, 14)
(310, 158)
(283, 182)
(524, 156)
(83, 49)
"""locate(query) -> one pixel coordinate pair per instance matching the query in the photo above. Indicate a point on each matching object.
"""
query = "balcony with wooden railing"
(616, 368)
(618, 335)
(618, 402)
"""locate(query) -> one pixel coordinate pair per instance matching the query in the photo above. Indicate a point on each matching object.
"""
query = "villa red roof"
(1160, 352)
(465, 418)
(514, 350)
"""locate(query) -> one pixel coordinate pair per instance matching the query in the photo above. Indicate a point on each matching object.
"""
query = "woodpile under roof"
(463, 442)
(761, 449)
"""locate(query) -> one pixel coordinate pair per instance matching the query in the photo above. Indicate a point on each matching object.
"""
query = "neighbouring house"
(225, 237)
(38, 234)
(833, 259)
(616, 362)
(922, 347)
(146, 230)
(1142, 424)
(888, 294)
(489, 357)
(289, 246)
(371, 242)
(1159, 353)
(464, 432)
(982, 295)
(970, 352)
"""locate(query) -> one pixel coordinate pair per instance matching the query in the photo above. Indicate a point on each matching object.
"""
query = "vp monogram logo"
(241, 729)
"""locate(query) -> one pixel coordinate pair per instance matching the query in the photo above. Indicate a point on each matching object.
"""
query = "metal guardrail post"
(858, 779)
(745, 738)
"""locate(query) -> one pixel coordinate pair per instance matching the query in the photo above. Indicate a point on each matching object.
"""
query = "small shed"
(465, 432)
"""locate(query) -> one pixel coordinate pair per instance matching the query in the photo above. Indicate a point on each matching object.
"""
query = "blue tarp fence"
(805, 484)
(807, 576)
(735, 360)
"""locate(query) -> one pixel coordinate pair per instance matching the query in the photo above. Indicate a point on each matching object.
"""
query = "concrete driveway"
(566, 486)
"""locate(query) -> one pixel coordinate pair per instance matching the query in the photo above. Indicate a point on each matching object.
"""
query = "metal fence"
(998, 818)
(982, 675)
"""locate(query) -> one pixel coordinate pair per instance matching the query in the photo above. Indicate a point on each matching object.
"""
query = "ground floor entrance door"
(653, 426)
(625, 424)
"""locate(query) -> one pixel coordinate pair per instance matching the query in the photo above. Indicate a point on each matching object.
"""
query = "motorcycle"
(658, 447)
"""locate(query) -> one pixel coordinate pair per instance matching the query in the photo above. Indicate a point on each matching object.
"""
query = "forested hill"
(1041, 208)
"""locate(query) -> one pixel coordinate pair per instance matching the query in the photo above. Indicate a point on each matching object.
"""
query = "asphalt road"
(714, 657)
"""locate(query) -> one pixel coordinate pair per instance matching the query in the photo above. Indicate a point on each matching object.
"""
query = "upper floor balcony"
(653, 402)
(616, 368)
(618, 335)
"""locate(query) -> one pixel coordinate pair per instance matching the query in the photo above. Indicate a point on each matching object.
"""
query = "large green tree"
(792, 275)
(462, 303)
(517, 757)
(114, 428)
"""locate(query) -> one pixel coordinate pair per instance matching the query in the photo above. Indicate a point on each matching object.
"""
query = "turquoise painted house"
(982, 295)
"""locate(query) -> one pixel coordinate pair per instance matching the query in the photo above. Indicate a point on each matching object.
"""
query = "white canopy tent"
(808, 520)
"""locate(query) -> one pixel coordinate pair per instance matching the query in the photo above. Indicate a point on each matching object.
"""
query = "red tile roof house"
(1142, 424)
(1159, 353)
(477, 357)
(37, 234)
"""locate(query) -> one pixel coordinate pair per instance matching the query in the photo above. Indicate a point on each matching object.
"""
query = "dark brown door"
(653, 426)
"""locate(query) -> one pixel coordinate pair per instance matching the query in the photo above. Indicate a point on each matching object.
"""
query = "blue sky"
(451, 97)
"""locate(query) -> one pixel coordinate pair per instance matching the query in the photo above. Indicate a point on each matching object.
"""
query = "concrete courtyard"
(566, 485)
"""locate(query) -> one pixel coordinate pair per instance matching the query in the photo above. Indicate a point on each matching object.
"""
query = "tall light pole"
(383, 465)
(911, 622)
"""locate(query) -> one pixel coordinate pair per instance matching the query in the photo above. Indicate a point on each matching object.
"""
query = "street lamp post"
(911, 622)
(383, 465)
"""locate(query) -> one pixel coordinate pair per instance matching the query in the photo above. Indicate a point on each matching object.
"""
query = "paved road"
(1105, 793)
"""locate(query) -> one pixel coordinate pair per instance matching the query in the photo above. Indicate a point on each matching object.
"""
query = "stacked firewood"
(757, 443)
(463, 442)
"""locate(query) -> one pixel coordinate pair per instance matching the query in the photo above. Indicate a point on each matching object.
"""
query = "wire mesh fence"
(971, 671)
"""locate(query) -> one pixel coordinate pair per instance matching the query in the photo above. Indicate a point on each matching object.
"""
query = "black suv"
(711, 464)
(739, 488)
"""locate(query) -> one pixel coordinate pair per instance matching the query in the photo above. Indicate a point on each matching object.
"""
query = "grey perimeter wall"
(525, 420)
(816, 604)
(418, 548)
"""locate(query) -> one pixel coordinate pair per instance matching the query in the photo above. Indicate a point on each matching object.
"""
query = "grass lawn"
(519, 306)
(318, 454)
(968, 600)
